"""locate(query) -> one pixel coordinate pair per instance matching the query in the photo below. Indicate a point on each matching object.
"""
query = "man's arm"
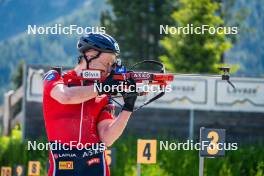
(79, 94)
(73, 95)
(111, 129)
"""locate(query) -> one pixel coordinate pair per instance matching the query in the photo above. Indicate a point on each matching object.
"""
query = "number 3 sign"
(146, 151)
(214, 140)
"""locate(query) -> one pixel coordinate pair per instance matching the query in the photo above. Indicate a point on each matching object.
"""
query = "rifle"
(160, 78)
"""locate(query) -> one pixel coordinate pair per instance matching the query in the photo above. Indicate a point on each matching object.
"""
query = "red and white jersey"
(72, 122)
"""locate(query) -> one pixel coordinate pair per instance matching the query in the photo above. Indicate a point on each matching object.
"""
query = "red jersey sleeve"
(105, 114)
(50, 80)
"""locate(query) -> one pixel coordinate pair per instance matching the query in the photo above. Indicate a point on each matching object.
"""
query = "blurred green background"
(136, 26)
(247, 161)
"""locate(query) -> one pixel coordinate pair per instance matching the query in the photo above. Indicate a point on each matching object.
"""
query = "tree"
(17, 82)
(17, 77)
(135, 25)
(195, 52)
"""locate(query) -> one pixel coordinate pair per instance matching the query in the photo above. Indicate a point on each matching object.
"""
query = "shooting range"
(193, 100)
(205, 57)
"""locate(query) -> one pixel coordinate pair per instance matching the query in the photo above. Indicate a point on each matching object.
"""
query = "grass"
(247, 161)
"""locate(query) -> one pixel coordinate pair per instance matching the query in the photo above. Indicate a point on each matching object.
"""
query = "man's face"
(103, 62)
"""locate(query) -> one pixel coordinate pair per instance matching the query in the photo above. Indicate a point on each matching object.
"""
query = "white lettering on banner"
(184, 91)
(212, 94)
(201, 93)
(193, 91)
(245, 92)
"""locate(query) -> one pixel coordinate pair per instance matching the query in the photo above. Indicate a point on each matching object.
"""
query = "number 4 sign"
(146, 151)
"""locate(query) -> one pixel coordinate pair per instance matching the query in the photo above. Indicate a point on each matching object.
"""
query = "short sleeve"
(105, 115)
(50, 80)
